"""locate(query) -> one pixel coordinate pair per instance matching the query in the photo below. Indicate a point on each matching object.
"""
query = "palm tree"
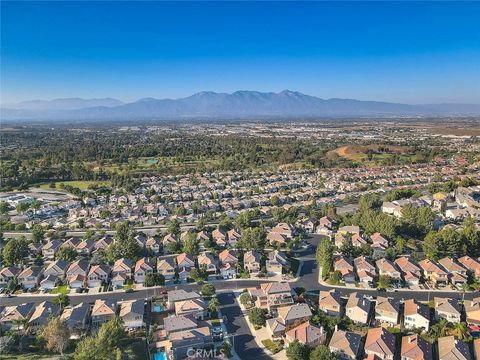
(462, 331)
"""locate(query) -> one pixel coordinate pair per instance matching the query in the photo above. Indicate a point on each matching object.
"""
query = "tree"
(462, 331)
(62, 299)
(325, 255)
(174, 227)
(122, 231)
(207, 290)
(38, 233)
(246, 299)
(298, 351)
(15, 251)
(3, 207)
(174, 247)
(213, 305)
(56, 335)
(191, 245)
(105, 344)
(22, 207)
(199, 274)
(252, 239)
(66, 253)
(226, 349)
(154, 279)
(322, 352)
(256, 317)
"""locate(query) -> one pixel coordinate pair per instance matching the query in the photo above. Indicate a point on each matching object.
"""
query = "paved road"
(236, 324)
(121, 295)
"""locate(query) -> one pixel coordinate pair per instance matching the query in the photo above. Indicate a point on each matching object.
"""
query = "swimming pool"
(158, 308)
(160, 356)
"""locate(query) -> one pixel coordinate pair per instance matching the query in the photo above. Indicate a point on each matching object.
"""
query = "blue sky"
(393, 51)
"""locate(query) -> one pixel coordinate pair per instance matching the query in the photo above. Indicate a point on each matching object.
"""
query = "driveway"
(236, 324)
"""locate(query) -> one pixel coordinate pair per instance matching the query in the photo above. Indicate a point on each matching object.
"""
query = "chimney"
(336, 328)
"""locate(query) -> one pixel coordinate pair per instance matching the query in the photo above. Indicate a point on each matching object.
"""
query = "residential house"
(252, 261)
(78, 267)
(330, 303)
(173, 324)
(195, 338)
(288, 316)
(132, 314)
(379, 245)
(76, 317)
(207, 260)
(415, 348)
(456, 272)
(122, 266)
(142, 267)
(168, 239)
(380, 343)
(98, 275)
(229, 263)
(387, 311)
(448, 309)
(57, 268)
(42, 314)
(11, 317)
(306, 334)
(153, 245)
(103, 311)
(118, 280)
(233, 237)
(271, 296)
(76, 281)
(433, 273)
(416, 315)
(195, 308)
(220, 237)
(85, 247)
(472, 310)
(103, 243)
(277, 260)
(175, 296)
(343, 265)
(451, 348)
(166, 267)
(358, 308)
(411, 273)
(471, 264)
(284, 229)
(345, 345)
(276, 239)
(30, 277)
(7, 274)
(388, 268)
(366, 271)
(49, 282)
(50, 248)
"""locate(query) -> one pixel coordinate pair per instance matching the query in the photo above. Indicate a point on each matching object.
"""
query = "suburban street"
(238, 330)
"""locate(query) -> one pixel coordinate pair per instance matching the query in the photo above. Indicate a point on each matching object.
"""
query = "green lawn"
(63, 289)
(82, 185)
(273, 346)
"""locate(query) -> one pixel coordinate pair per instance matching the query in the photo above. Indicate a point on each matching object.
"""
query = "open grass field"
(359, 153)
(83, 185)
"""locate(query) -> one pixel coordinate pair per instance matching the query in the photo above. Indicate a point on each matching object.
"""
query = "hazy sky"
(406, 52)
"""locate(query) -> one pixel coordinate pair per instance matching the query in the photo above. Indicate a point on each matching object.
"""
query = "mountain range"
(240, 104)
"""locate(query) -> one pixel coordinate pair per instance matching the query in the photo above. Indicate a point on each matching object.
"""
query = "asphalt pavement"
(238, 330)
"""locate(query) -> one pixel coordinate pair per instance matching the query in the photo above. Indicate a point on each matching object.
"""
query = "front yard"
(274, 346)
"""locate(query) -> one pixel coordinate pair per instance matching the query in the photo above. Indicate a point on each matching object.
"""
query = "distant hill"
(240, 104)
